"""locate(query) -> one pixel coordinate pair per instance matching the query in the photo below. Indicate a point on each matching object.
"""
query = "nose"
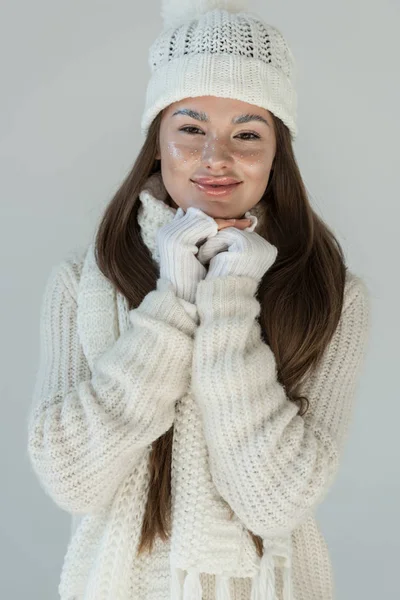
(216, 154)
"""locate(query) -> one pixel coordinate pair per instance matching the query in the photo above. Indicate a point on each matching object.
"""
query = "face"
(216, 137)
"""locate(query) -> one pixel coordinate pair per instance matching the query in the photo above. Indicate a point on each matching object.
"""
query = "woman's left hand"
(234, 251)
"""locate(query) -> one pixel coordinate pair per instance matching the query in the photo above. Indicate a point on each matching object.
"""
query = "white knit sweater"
(92, 420)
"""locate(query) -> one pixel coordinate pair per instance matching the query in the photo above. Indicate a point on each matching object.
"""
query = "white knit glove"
(237, 252)
(177, 248)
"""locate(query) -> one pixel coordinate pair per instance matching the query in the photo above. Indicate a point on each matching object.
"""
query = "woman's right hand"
(178, 243)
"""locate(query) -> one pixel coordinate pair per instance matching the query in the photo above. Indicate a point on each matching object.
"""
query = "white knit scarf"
(204, 537)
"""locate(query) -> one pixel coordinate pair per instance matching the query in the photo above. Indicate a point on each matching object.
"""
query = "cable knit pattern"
(110, 381)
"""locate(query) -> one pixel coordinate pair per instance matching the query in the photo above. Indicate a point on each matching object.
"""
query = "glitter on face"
(216, 148)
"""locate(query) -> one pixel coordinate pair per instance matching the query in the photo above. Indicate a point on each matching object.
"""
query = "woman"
(198, 373)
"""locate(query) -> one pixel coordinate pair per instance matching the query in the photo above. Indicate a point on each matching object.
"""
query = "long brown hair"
(301, 295)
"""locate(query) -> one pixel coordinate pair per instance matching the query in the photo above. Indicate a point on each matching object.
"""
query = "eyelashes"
(187, 128)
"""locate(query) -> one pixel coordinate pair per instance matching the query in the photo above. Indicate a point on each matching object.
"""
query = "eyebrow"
(203, 117)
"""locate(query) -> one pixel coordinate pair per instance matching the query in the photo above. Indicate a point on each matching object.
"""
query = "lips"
(217, 190)
(216, 181)
(216, 187)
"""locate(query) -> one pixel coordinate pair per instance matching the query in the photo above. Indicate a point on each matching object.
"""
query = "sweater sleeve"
(270, 464)
(87, 430)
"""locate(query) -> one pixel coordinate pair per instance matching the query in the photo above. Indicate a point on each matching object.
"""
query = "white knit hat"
(214, 48)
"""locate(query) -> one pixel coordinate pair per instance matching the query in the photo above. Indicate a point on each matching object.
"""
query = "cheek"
(254, 163)
(179, 154)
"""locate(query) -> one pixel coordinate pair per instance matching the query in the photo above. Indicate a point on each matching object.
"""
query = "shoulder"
(355, 287)
(65, 275)
(357, 297)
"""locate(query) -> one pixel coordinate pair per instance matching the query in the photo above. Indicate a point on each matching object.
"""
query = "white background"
(73, 80)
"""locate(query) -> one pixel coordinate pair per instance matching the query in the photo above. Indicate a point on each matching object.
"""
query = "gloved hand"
(218, 243)
(178, 243)
(234, 251)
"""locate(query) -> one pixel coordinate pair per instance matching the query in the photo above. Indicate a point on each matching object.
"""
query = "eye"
(255, 135)
(186, 129)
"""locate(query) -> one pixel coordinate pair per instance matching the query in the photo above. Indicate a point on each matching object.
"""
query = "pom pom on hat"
(177, 12)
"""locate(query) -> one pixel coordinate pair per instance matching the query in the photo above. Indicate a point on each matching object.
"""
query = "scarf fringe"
(222, 587)
(176, 583)
(188, 586)
(192, 589)
(263, 587)
(287, 583)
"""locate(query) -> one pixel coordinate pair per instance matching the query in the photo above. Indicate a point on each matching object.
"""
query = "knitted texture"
(177, 242)
(210, 49)
(236, 252)
(110, 381)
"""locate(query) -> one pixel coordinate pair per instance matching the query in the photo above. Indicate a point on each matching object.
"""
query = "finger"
(242, 224)
(238, 223)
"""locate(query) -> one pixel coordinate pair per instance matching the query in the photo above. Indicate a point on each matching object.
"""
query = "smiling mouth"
(216, 191)
(218, 185)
